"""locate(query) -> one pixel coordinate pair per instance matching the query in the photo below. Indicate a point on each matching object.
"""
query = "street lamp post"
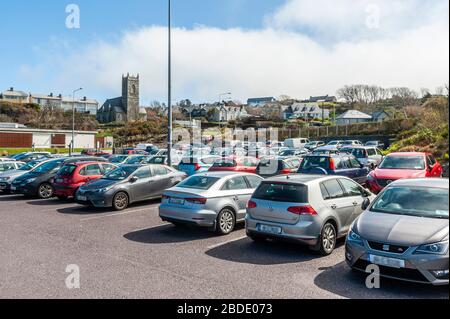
(169, 95)
(72, 143)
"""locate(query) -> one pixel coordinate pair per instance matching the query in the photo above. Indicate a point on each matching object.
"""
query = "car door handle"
(355, 203)
(334, 206)
(236, 198)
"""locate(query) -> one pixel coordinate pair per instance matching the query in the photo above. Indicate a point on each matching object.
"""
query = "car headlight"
(355, 238)
(103, 190)
(433, 249)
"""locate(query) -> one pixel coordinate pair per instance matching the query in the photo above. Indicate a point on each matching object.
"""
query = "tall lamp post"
(72, 143)
(169, 95)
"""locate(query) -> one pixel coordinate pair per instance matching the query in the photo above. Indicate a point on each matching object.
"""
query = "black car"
(31, 156)
(38, 182)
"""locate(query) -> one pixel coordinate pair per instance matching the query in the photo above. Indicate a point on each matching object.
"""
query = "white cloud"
(279, 59)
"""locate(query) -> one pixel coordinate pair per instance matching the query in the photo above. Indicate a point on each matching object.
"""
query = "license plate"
(177, 201)
(82, 198)
(386, 261)
(270, 229)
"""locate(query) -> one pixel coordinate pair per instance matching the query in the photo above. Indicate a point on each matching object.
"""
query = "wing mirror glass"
(365, 204)
(134, 179)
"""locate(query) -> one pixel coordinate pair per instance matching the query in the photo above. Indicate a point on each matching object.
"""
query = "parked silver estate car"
(405, 232)
(308, 209)
(216, 200)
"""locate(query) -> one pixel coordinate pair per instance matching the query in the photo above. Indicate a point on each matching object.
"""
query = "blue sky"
(248, 47)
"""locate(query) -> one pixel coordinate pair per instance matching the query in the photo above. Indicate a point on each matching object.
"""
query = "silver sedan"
(216, 200)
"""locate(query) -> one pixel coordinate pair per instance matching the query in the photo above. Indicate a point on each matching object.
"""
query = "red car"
(403, 165)
(244, 164)
(71, 176)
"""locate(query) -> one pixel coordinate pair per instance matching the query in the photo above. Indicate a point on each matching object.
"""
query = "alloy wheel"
(226, 221)
(45, 191)
(328, 238)
(121, 201)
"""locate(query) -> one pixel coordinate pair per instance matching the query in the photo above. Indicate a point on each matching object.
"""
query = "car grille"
(384, 182)
(405, 273)
(388, 248)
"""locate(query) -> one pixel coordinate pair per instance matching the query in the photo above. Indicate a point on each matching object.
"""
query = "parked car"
(245, 164)
(367, 155)
(120, 159)
(74, 175)
(9, 166)
(6, 178)
(335, 164)
(129, 184)
(378, 144)
(311, 146)
(38, 182)
(403, 165)
(296, 142)
(351, 143)
(197, 164)
(93, 152)
(31, 156)
(328, 149)
(312, 210)
(216, 200)
(273, 166)
(163, 160)
(337, 143)
(293, 152)
(405, 232)
(6, 159)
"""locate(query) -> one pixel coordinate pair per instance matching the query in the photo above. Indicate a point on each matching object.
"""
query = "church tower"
(130, 96)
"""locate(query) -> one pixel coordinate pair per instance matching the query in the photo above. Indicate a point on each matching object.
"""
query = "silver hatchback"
(308, 209)
(216, 200)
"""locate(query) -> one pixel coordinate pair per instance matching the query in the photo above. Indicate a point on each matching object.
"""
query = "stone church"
(125, 108)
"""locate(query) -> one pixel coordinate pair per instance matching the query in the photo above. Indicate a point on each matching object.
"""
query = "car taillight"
(251, 204)
(285, 171)
(197, 166)
(200, 201)
(302, 210)
(332, 166)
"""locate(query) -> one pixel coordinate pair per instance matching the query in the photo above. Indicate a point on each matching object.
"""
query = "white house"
(353, 116)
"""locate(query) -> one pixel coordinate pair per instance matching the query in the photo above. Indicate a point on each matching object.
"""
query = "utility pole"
(169, 95)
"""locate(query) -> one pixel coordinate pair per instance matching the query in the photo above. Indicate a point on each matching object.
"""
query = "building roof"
(324, 98)
(12, 92)
(377, 114)
(354, 114)
(261, 100)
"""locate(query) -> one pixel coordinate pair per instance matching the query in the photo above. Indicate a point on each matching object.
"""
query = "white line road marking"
(115, 214)
(227, 242)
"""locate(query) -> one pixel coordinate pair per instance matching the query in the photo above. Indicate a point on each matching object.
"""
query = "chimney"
(84, 98)
(11, 89)
(51, 95)
(60, 95)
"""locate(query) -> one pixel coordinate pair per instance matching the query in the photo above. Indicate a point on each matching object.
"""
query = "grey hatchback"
(310, 209)
(404, 232)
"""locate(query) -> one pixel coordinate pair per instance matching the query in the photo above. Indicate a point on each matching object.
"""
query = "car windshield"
(29, 166)
(413, 201)
(199, 182)
(47, 167)
(67, 170)
(281, 192)
(118, 159)
(333, 143)
(120, 174)
(19, 157)
(403, 162)
(310, 162)
(287, 153)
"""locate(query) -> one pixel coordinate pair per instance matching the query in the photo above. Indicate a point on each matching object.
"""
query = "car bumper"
(202, 218)
(28, 189)
(304, 232)
(61, 190)
(5, 187)
(418, 268)
(96, 200)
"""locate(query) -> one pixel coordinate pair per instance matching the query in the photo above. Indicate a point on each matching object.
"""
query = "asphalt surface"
(133, 254)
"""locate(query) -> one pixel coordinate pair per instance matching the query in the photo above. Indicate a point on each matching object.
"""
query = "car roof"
(422, 182)
(408, 154)
(222, 174)
(301, 178)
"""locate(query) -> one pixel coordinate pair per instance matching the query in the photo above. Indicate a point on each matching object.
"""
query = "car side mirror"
(134, 179)
(365, 204)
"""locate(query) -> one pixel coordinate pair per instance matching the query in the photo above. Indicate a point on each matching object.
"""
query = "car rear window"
(282, 192)
(225, 163)
(199, 182)
(67, 170)
(310, 162)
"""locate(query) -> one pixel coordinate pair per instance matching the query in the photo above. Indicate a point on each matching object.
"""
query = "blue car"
(197, 164)
(335, 164)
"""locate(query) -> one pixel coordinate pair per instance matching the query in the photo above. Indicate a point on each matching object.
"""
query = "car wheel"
(45, 191)
(120, 201)
(225, 222)
(327, 239)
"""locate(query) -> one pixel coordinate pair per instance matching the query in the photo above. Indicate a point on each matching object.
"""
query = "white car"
(9, 166)
(6, 159)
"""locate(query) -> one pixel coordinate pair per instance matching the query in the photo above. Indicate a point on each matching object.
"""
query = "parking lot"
(133, 254)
